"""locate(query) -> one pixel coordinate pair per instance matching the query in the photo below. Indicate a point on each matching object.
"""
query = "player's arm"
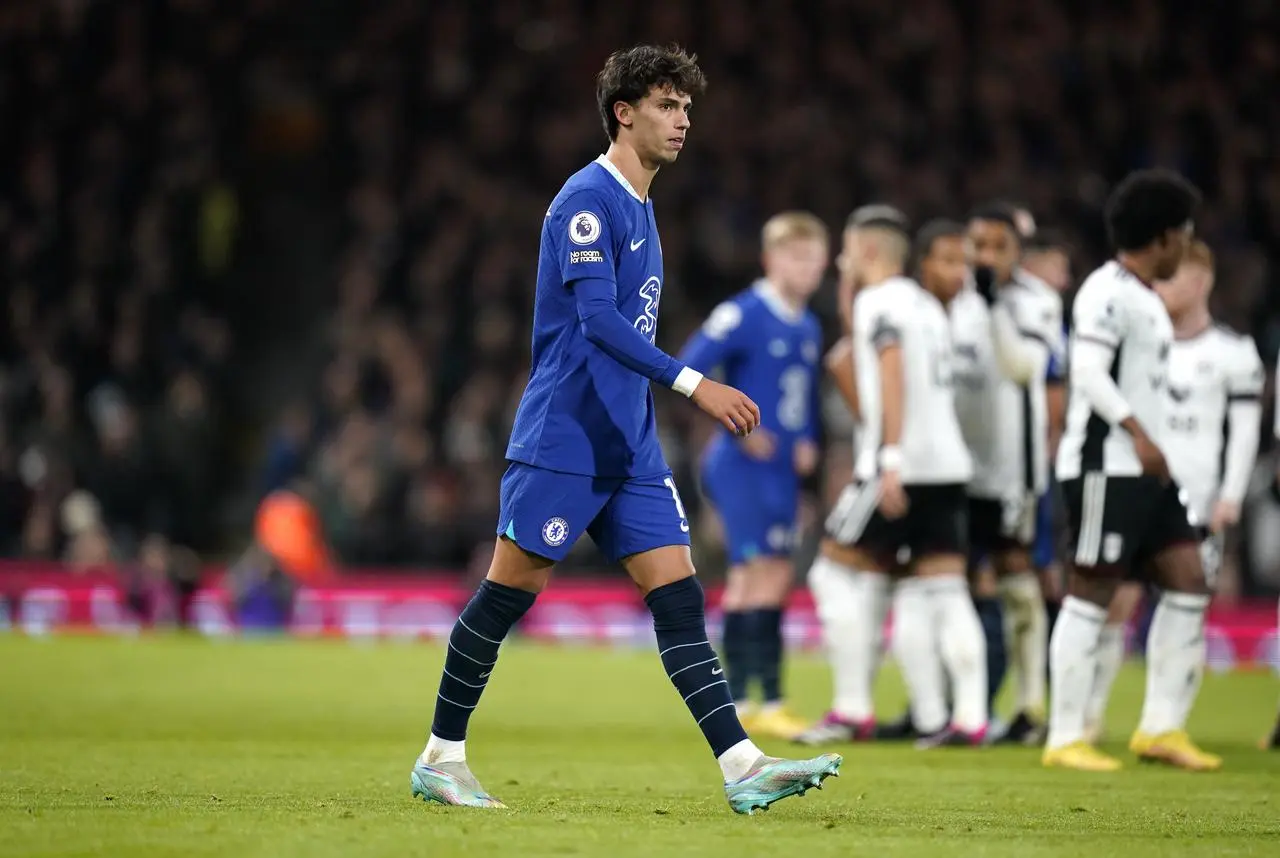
(1244, 419)
(886, 337)
(585, 247)
(1022, 353)
(717, 342)
(839, 364)
(1099, 326)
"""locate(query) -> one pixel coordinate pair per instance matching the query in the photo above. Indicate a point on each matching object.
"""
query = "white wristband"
(687, 381)
(890, 458)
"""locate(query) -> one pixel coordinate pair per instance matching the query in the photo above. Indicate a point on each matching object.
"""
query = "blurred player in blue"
(584, 453)
(767, 344)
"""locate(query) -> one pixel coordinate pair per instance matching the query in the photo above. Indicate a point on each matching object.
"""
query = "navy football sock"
(472, 653)
(679, 620)
(768, 643)
(991, 613)
(735, 650)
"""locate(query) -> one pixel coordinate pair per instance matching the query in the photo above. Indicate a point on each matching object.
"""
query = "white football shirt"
(899, 312)
(1207, 374)
(1117, 310)
(1006, 424)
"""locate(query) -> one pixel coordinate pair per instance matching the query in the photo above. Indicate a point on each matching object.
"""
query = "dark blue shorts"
(757, 509)
(545, 512)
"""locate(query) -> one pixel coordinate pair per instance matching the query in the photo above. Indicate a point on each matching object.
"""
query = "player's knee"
(1014, 561)
(984, 583)
(512, 566)
(1179, 569)
(736, 589)
(1124, 603)
(1096, 584)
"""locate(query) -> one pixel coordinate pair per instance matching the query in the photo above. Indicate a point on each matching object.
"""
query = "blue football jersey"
(770, 352)
(583, 412)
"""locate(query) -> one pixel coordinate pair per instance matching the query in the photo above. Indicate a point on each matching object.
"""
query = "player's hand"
(984, 278)
(893, 498)
(732, 408)
(1149, 455)
(1225, 514)
(760, 445)
(805, 457)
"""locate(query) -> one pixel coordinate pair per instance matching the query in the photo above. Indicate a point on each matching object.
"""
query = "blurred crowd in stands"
(438, 132)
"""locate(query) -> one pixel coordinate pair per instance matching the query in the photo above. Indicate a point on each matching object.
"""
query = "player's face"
(1052, 266)
(847, 261)
(943, 270)
(1186, 289)
(796, 265)
(659, 124)
(995, 247)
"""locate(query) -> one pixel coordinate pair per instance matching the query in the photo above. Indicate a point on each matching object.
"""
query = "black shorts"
(1001, 525)
(1124, 522)
(937, 522)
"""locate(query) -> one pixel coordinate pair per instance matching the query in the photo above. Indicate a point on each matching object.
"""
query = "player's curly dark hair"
(629, 76)
(1146, 205)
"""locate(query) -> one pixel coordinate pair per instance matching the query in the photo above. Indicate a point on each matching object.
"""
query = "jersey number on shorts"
(675, 496)
(793, 408)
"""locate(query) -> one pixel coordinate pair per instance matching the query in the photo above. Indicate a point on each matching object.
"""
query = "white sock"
(444, 751)
(916, 648)
(964, 651)
(1175, 662)
(1028, 639)
(738, 760)
(849, 607)
(1073, 662)
(1110, 660)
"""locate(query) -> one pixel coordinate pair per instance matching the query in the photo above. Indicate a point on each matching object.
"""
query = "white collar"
(773, 299)
(617, 174)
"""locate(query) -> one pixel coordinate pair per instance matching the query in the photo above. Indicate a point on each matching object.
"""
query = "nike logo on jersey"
(635, 245)
(1179, 394)
(717, 671)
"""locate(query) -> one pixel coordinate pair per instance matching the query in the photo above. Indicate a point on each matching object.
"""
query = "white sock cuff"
(1084, 609)
(913, 585)
(948, 585)
(1186, 601)
(877, 582)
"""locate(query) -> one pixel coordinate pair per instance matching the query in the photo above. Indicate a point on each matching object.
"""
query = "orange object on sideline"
(287, 526)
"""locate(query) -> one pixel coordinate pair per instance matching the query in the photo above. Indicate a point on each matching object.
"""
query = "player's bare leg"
(515, 578)
(1027, 625)
(1175, 662)
(735, 644)
(1072, 668)
(851, 592)
(769, 581)
(940, 614)
(665, 577)
(1111, 652)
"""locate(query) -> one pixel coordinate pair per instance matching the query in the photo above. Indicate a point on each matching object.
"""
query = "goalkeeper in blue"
(766, 343)
(584, 455)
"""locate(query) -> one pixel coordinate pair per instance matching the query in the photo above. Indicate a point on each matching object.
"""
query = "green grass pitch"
(164, 746)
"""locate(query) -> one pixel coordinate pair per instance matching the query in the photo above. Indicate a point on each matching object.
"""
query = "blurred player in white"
(1210, 440)
(851, 595)
(1126, 513)
(908, 498)
(1008, 334)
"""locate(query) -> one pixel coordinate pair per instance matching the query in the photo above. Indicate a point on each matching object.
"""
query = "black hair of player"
(630, 75)
(1147, 205)
(1049, 239)
(928, 236)
(999, 212)
(879, 216)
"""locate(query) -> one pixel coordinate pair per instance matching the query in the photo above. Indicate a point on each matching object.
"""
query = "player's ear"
(623, 111)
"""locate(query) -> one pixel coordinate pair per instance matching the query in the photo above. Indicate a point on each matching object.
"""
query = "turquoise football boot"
(771, 779)
(451, 784)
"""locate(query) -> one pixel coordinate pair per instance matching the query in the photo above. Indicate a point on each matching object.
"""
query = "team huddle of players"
(954, 366)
